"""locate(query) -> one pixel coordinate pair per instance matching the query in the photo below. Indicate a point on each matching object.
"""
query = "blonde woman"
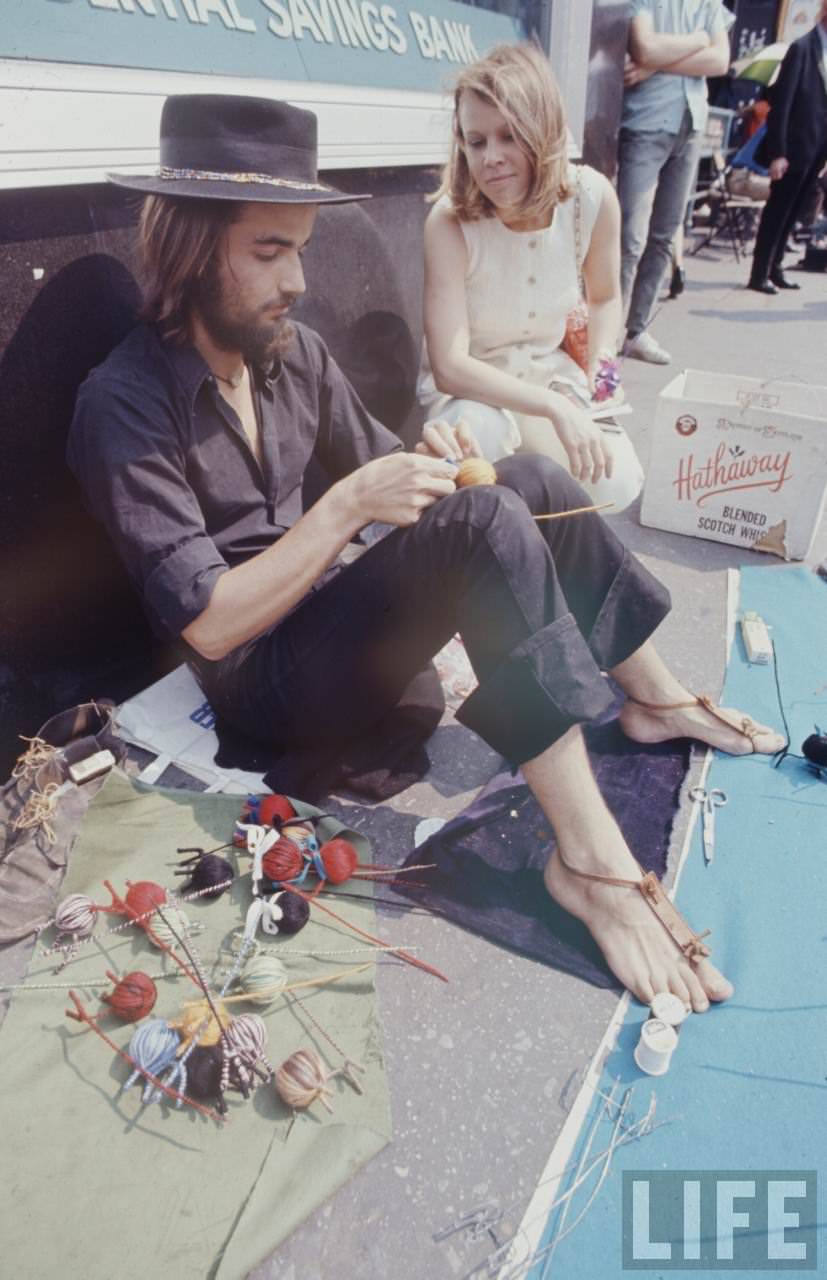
(501, 276)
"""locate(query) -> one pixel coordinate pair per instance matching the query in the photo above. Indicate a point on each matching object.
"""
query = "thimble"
(654, 1049)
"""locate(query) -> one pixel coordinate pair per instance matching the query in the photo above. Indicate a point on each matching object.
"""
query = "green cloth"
(98, 1185)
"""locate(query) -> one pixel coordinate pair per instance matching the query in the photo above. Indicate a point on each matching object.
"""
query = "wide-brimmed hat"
(226, 147)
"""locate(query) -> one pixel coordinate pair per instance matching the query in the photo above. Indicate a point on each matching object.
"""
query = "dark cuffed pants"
(543, 609)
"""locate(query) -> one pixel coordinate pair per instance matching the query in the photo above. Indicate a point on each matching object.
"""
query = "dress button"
(532, 279)
(532, 314)
(532, 244)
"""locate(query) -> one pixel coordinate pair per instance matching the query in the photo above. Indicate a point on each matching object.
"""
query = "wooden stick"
(575, 511)
(277, 989)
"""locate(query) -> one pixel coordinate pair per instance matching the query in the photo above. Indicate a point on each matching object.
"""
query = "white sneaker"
(645, 347)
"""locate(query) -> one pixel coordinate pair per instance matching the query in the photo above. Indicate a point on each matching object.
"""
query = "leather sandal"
(748, 728)
(685, 938)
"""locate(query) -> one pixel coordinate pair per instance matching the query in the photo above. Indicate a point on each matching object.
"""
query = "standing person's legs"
(641, 156)
(668, 208)
(776, 220)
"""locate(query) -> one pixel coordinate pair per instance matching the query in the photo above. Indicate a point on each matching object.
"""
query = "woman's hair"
(517, 80)
(177, 241)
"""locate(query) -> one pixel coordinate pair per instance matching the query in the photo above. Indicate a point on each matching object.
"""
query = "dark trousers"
(543, 609)
(787, 197)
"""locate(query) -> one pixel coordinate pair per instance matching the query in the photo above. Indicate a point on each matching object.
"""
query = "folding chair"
(728, 213)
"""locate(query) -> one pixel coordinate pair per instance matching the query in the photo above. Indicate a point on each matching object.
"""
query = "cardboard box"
(739, 460)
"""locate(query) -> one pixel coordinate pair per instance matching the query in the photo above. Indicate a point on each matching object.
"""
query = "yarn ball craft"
(474, 471)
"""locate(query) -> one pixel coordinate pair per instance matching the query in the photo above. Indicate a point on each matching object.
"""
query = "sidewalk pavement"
(482, 1071)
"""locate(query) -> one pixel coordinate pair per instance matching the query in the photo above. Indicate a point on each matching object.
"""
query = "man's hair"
(177, 241)
(517, 80)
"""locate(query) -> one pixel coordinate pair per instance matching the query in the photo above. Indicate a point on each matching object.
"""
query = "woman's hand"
(439, 440)
(587, 447)
(395, 489)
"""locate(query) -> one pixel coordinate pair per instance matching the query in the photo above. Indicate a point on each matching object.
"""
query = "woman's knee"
(494, 429)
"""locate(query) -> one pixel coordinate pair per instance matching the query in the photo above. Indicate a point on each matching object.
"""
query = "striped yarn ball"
(262, 979)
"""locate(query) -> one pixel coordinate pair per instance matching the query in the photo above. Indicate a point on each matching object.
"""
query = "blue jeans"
(655, 177)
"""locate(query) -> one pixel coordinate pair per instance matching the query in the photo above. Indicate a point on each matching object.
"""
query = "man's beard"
(259, 341)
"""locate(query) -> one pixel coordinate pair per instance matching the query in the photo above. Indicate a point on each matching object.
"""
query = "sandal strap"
(747, 727)
(654, 895)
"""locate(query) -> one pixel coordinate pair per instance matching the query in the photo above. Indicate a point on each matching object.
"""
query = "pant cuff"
(547, 683)
(634, 607)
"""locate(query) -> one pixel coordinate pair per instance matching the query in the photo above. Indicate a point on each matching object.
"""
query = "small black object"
(209, 875)
(204, 1075)
(815, 748)
(295, 912)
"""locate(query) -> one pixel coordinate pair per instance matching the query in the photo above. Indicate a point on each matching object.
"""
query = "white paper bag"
(739, 460)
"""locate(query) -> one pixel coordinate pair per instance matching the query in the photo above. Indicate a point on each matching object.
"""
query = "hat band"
(205, 175)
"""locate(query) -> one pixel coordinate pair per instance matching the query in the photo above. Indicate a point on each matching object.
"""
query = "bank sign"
(355, 42)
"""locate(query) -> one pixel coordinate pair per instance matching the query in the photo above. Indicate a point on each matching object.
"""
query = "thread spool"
(302, 1079)
(199, 1020)
(262, 978)
(474, 471)
(283, 862)
(209, 875)
(295, 912)
(303, 835)
(339, 860)
(76, 915)
(133, 997)
(669, 1008)
(153, 1048)
(143, 897)
(162, 929)
(204, 1073)
(654, 1049)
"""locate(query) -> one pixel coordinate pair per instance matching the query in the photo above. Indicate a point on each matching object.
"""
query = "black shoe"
(781, 282)
(678, 282)
(761, 286)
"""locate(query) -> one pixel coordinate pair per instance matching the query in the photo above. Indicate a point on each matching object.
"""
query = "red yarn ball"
(283, 862)
(339, 859)
(134, 996)
(143, 897)
(274, 809)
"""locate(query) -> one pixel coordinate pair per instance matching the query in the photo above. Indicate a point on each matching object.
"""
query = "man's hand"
(439, 440)
(395, 489)
(589, 454)
(778, 167)
(634, 73)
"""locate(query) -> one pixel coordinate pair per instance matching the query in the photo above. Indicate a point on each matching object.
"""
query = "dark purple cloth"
(490, 858)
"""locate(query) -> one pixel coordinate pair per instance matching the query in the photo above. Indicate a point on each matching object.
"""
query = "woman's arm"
(601, 280)
(457, 373)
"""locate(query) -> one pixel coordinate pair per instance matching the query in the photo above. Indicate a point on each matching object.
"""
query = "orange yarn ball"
(339, 859)
(283, 862)
(474, 471)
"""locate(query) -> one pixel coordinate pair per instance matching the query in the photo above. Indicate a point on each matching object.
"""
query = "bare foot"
(635, 944)
(641, 724)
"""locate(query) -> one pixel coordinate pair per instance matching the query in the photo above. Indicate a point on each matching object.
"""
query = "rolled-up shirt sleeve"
(126, 455)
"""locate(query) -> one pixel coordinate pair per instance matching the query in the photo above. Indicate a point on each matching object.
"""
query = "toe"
(679, 987)
(715, 985)
(698, 998)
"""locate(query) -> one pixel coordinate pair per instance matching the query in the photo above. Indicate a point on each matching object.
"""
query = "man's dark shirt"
(165, 464)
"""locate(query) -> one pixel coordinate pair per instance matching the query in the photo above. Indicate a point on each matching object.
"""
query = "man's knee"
(542, 483)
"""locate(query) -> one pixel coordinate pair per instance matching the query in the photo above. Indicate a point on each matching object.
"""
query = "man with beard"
(191, 442)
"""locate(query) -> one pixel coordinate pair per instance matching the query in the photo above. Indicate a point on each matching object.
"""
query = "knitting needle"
(575, 511)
